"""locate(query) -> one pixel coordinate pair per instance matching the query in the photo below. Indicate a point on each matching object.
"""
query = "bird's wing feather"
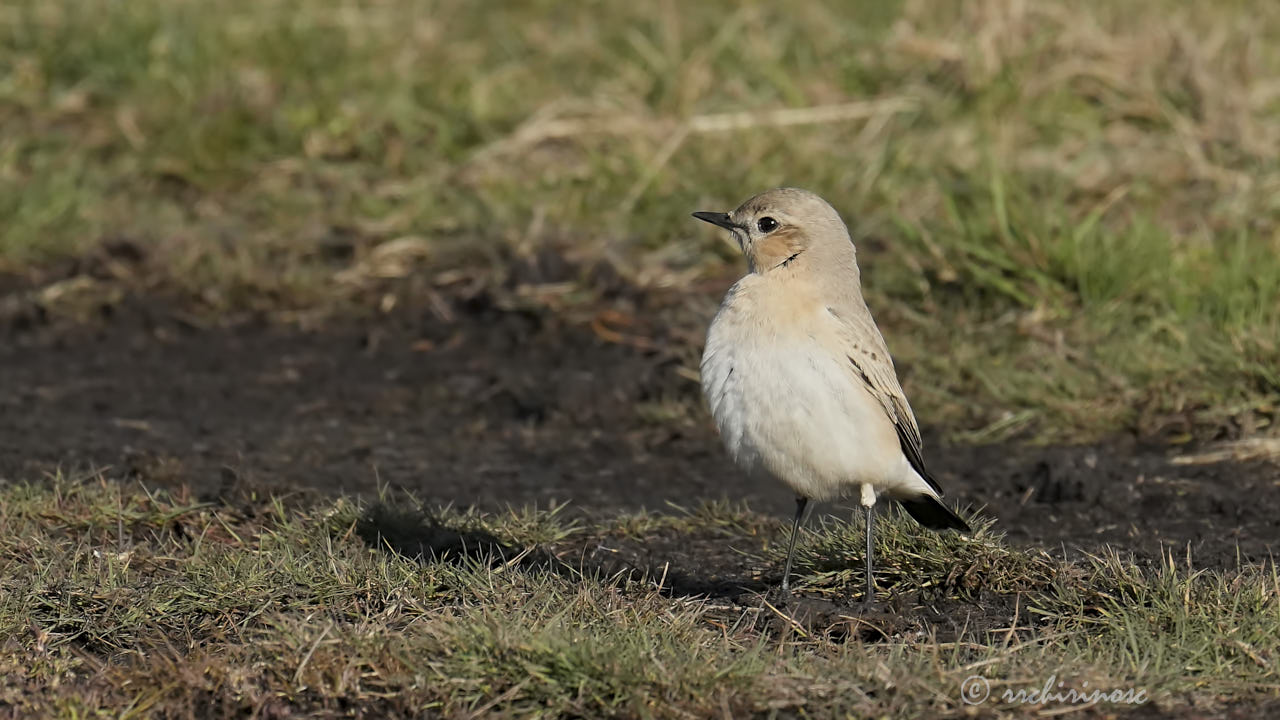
(869, 355)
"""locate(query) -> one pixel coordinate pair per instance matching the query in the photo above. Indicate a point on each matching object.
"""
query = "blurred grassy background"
(1068, 212)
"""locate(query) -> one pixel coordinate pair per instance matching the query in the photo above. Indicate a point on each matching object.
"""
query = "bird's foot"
(779, 595)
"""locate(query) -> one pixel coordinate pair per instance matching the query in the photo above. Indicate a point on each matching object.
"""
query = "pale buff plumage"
(797, 376)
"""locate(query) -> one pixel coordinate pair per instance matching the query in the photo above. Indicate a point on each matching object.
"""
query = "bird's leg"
(801, 502)
(868, 502)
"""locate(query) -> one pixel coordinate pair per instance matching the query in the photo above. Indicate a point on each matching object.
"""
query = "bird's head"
(779, 226)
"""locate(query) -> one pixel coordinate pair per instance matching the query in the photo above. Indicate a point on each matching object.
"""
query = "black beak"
(720, 219)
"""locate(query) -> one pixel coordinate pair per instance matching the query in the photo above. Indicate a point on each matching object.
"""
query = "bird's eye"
(766, 224)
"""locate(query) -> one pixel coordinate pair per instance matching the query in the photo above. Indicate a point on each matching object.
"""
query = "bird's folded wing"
(869, 356)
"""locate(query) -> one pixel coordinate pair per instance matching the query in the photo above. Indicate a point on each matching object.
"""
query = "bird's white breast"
(789, 403)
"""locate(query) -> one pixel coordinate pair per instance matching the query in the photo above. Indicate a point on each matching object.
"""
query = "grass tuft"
(910, 559)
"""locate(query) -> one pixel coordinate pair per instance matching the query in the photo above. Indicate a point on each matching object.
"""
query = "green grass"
(1067, 211)
(121, 603)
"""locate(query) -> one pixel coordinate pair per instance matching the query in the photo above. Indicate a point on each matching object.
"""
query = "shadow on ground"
(725, 572)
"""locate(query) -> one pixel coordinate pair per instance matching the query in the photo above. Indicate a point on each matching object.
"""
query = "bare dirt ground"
(499, 407)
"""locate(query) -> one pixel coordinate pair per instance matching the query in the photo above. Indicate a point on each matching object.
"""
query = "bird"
(798, 378)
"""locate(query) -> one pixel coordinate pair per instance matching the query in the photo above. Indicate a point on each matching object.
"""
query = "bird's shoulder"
(851, 323)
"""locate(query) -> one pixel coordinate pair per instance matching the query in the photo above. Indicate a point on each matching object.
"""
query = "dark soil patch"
(495, 407)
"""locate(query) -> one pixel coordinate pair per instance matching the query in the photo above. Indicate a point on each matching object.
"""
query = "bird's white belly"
(799, 412)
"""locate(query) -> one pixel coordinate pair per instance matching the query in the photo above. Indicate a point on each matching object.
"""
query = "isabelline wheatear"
(797, 376)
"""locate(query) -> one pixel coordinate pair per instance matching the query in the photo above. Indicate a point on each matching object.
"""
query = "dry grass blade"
(1246, 450)
(541, 129)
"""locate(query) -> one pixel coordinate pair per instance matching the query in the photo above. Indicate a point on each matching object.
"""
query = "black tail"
(931, 513)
